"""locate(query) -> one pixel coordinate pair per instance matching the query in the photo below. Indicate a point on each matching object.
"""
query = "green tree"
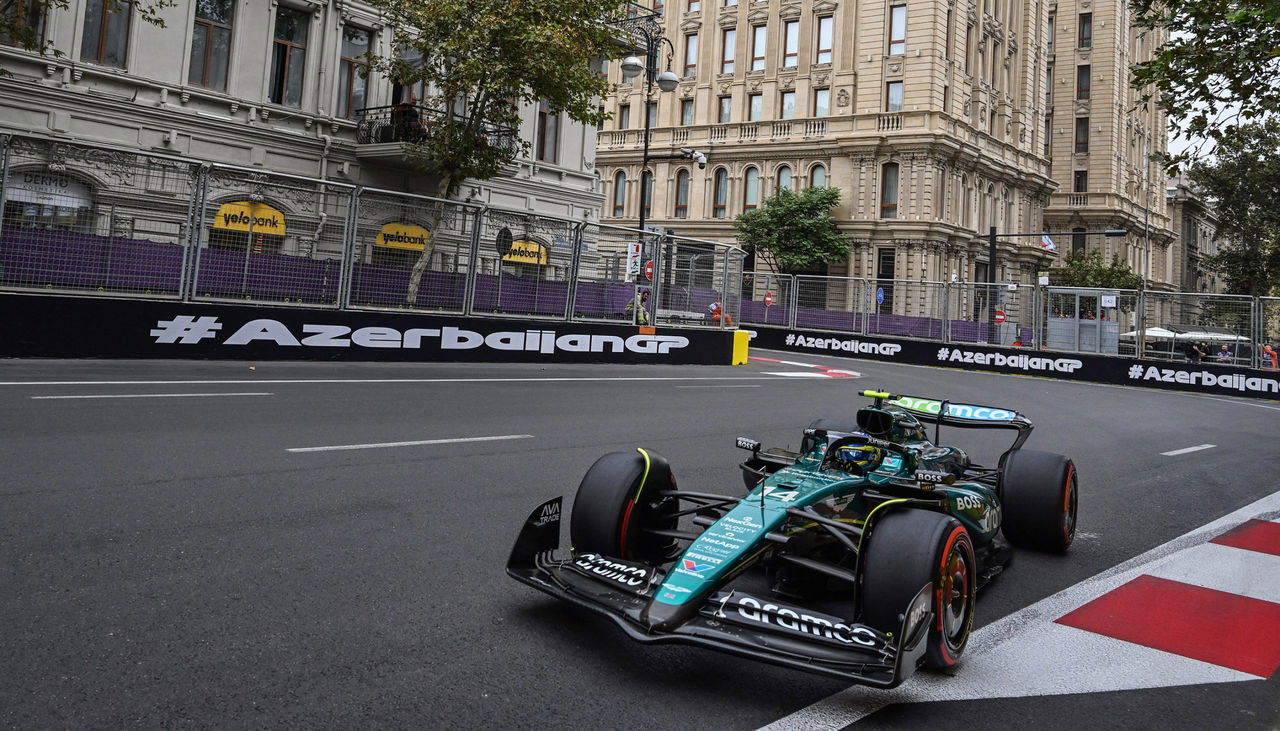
(794, 232)
(1243, 182)
(1089, 269)
(20, 21)
(483, 59)
(1222, 58)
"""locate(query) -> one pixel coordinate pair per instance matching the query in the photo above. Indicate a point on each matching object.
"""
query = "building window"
(791, 44)
(1050, 33)
(826, 37)
(353, 70)
(889, 190)
(682, 195)
(893, 96)
(106, 32)
(24, 21)
(726, 110)
(1048, 137)
(548, 133)
(600, 121)
(886, 259)
(1084, 35)
(787, 105)
(619, 194)
(651, 114)
(624, 116)
(646, 193)
(784, 178)
(720, 200)
(818, 177)
(948, 47)
(759, 43)
(897, 30)
(946, 98)
(211, 44)
(691, 54)
(289, 56)
(1077, 240)
(1082, 82)
(1081, 182)
(750, 189)
(658, 6)
(1082, 134)
(686, 112)
(755, 107)
(730, 3)
(728, 42)
(821, 102)
(695, 5)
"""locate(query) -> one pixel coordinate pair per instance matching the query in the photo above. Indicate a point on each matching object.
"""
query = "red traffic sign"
(999, 315)
(768, 299)
(648, 270)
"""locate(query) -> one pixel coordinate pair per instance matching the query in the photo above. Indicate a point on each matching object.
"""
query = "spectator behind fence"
(1224, 355)
(637, 308)
(1194, 353)
(1270, 357)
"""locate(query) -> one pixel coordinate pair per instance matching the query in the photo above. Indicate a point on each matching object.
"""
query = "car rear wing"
(966, 416)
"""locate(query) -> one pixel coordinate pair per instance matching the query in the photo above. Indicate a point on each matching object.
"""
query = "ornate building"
(936, 120)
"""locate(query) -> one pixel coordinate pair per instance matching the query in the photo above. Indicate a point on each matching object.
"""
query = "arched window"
(751, 189)
(784, 178)
(889, 190)
(682, 195)
(619, 194)
(719, 206)
(818, 177)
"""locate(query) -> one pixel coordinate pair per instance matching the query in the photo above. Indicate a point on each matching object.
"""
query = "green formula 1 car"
(859, 556)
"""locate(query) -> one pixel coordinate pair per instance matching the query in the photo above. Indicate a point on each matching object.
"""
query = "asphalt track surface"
(165, 560)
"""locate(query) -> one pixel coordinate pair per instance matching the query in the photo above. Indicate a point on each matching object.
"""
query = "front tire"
(1039, 496)
(617, 500)
(907, 549)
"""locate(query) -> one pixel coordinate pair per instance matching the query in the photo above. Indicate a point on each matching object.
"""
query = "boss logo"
(968, 502)
(751, 444)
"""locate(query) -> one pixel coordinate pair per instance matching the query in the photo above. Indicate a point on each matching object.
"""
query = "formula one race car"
(859, 556)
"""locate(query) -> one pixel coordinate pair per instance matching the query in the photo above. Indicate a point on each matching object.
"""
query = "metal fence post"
(1140, 324)
(946, 312)
(195, 232)
(473, 263)
(724, 298)
(349, 250)
(4, 176)
(575, 261)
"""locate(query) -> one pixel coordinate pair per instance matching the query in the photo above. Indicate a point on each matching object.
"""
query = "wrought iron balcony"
(412, 123)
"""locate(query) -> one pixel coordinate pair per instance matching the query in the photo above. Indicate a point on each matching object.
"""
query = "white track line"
(150, 395)
(1027, 654)
(762, 377)
(1188, 450)
(381, 445)
(726, 385)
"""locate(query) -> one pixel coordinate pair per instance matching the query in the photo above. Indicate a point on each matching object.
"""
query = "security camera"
(701, 159)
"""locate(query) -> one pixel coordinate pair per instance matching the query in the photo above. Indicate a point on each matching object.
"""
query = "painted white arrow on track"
(1032, 653)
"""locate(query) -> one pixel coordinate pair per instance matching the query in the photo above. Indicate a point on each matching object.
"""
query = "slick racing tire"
(1038, 497)
(907, 549)
(617, 500)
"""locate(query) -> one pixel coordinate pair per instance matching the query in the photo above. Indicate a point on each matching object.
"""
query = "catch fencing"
(91, 219)
(1134, 323)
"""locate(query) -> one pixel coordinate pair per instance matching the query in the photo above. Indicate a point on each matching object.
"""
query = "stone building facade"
(936, 120)
(274, 86)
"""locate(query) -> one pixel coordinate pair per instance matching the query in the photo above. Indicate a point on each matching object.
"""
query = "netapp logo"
(1235, 381)
(848, 346)
(186, 329)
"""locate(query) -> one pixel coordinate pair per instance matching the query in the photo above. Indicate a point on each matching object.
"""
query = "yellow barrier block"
(741, 339)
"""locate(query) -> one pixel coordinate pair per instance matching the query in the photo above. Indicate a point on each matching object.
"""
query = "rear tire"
(907, 549)
(616, 500)
(1039, 496)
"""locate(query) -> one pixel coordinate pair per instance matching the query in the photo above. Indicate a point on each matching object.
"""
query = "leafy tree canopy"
(482, 59)
(794, 232)
(1223, 58)
(1089, 269)
(1243, 182)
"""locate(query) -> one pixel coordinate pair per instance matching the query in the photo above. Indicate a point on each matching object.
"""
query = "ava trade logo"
(694, 566)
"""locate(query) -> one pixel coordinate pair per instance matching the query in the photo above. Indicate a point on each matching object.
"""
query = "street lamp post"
(991, 262)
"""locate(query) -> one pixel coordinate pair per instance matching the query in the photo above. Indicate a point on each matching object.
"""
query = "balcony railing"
(411, 123)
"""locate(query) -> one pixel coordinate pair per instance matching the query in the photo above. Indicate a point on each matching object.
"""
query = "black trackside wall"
(44, 326)
(1206, 378)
